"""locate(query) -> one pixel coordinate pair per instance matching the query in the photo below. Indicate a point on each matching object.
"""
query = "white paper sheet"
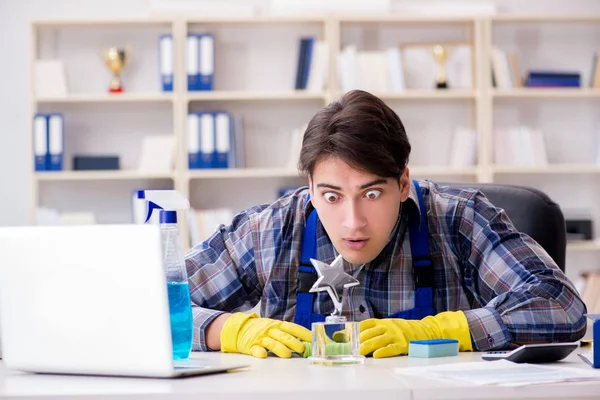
(501, 372)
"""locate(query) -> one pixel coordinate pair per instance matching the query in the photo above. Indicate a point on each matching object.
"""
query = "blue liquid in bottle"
(182, 324)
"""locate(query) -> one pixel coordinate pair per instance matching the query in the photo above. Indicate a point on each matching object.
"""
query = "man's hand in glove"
(390, 337)
(249, 334)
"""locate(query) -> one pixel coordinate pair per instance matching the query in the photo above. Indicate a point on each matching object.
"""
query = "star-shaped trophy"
(334, 280)
(335, 341)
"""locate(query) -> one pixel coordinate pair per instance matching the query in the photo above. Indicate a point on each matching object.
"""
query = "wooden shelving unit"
(99, 175)
(107, 98)
(254, 96)
(480, 100)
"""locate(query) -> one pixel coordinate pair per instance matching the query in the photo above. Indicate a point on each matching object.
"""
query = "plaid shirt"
(510, 290)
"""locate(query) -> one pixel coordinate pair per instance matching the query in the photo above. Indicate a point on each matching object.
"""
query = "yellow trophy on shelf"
(116, 59)
(440, 54)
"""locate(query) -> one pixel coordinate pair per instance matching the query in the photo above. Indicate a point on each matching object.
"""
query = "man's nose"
(353, 217)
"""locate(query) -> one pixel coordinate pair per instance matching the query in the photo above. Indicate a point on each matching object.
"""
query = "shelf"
(260, 20)
(251, 95)
(441, 171)
(236, 173)
(583, 245)
(544, 18)
(403, 18)
(108, 98)
(547, 169)
(99, 175)
(98, 23)
(287, 172)
(546, 93)
(428, 94)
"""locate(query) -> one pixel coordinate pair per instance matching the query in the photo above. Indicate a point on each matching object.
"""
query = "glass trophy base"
(336, 342)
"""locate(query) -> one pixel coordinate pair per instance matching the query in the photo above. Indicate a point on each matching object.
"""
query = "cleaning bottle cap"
(168, 217)
(162, 199)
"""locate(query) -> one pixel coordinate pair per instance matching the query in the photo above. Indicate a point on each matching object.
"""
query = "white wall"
(15, 171)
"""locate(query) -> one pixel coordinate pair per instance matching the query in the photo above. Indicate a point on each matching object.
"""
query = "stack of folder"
(212, 141)
(48, 141)
(200, 62)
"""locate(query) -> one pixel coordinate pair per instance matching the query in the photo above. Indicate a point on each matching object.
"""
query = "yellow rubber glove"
(249, 334)
(390, 337)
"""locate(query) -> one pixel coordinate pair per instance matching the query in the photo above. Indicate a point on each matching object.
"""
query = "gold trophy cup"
(116, 59)
(440, 54)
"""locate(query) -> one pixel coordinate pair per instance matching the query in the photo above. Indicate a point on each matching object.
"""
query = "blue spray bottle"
(166, 202)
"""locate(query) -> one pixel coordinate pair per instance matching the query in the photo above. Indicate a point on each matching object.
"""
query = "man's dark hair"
(361, 130)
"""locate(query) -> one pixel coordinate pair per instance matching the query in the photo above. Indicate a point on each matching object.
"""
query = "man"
(432, 261)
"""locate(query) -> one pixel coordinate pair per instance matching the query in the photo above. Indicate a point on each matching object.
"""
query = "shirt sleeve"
(523, 295)
(222, 274)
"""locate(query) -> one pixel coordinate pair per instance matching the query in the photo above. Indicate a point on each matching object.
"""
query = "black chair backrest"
(531, 211)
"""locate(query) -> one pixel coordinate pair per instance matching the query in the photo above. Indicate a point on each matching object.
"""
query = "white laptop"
(88, 300)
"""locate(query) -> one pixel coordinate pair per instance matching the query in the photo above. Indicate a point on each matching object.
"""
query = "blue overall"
(421, 261)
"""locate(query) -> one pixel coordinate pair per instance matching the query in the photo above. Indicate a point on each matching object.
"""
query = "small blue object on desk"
(593, 356)
(433, 348)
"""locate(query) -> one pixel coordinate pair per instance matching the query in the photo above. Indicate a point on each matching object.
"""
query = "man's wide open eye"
(330, 197)
(373, 194)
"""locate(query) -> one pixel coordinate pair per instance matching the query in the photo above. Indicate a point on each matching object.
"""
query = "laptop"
(89, 300)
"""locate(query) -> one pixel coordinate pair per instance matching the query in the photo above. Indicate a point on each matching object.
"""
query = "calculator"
(533, 353)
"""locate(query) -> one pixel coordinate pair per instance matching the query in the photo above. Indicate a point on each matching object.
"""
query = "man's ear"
(310, 187)
(404, 185)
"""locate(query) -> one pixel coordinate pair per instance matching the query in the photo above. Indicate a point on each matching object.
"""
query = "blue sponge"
(433, 348)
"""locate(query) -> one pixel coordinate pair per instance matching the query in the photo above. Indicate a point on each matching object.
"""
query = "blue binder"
(207, 140)
(56, 142)
(193, 136)
(40, 142)
(206, 66)
(165, 62)
(223, 140)
(192, 62)
(310, 41)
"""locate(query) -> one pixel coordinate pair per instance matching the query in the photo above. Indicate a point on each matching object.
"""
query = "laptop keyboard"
(190, 364)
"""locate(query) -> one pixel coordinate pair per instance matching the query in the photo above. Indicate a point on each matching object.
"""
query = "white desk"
(275, 378)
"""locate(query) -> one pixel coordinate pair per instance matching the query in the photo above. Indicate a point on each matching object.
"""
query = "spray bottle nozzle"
(163, 200)
(151, 207)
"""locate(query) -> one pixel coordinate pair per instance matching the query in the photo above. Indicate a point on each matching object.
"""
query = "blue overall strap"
(422, 264)
(307, 275)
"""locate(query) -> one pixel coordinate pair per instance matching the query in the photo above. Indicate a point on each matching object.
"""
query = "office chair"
(531, 211)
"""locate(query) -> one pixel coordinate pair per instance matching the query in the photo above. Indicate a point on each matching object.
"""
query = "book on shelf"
(505, 69)
(214, 140)
(48, 141)
(519, 146)
(200, 61)
(313, 64)
(542, 78)
(46, 216)
(165, 51)
(50, 78)
(375, 71)
(595, 72)
(295, 146)
(597, 147)
(204, 222)
(463, 150)
(157, 154)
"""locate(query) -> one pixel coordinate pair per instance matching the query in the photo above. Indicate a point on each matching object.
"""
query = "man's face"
(357, 209)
